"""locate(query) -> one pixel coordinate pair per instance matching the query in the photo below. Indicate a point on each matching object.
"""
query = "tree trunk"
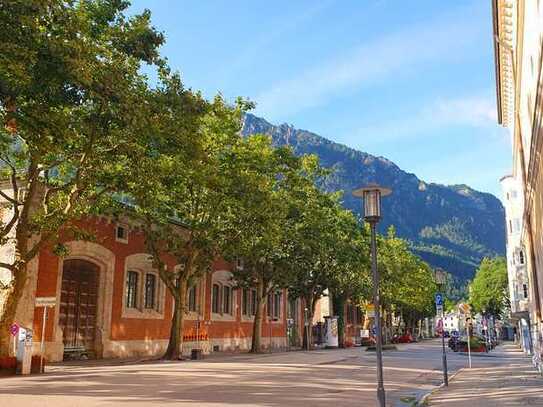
(9, 309)
(259, 314)
(175, 344)
(310, 304)
(338, 303)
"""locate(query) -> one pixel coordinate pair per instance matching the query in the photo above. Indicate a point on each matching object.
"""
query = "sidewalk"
(509, 379)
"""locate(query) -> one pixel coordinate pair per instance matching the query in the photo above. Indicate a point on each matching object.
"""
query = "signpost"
(441, 327)
(14, 330)
(466, 310)
(44, 302)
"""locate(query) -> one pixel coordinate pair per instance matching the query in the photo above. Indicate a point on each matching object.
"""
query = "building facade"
(111, 303)
(517, 273)
(518, 43)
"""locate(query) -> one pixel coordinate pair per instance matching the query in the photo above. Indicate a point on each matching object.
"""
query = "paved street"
(319, 378)
(509, 379)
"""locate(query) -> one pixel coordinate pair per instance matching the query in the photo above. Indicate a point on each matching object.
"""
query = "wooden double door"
(78, 304)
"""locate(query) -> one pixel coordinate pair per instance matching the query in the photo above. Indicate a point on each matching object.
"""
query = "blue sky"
(412, 81)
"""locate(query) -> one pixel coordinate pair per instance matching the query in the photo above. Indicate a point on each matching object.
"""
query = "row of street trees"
(84, 133)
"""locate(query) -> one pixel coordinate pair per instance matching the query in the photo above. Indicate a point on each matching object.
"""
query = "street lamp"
(372, 214)
(441, 279)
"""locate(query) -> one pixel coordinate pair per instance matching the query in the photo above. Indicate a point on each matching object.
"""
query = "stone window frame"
(223, 278)
(141, 263)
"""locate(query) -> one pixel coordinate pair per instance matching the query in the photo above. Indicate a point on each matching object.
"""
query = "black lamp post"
(441, 279)
(372, 214)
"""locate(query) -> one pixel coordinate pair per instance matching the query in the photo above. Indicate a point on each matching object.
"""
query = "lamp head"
(371, 194)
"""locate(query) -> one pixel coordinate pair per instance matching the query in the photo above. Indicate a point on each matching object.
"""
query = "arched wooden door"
(78, 304)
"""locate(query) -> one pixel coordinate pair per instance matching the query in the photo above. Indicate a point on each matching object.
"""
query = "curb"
(425, 398)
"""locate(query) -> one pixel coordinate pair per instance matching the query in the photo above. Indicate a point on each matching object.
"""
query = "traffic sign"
(464, 308)
(14, 329)
(439, 310)
(370, 311)
(46, 301)
(439, 299)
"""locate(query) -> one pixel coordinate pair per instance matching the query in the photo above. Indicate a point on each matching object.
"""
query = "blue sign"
(439, 299)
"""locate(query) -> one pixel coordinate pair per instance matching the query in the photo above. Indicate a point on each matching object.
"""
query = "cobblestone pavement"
(311, 379)
(508, 380)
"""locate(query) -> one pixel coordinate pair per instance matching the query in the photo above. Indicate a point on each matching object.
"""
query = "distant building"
(518, 45)
(452, 322)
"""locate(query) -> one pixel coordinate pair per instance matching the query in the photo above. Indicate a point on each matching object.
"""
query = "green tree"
(70, 98)
(488, 291)
(258, 212)
(351, 280)
(408, 285)
(182, 187)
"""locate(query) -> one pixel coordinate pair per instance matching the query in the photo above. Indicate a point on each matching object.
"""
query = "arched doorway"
(78, 307)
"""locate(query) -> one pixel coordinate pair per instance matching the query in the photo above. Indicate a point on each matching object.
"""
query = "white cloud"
(471, 111)
(370, 63)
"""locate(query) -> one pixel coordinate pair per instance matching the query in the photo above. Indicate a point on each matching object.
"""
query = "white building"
(519, 290)
(518, 46)
(452, 322)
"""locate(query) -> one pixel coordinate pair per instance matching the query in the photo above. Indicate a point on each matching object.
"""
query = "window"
(245, 301)
(291, 310)
(521, 257)
(516, 225)
(191, 298)
(215, 300)
(253, 302)
(150, 291)
(525, 290)
(121, 234)
(273, 307)
(269, 306)
(226, 299)
(132, 289)
(513, 194)
(277, 305)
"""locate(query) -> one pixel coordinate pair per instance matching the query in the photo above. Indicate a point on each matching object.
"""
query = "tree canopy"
(488, 292)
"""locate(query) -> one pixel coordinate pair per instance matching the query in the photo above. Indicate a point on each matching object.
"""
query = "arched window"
(215, 299)
(191, 298)
(132, 278)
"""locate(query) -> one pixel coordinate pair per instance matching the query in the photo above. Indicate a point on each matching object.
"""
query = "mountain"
(452, 227)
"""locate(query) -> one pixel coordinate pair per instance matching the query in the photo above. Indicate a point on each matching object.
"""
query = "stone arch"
(104, 259)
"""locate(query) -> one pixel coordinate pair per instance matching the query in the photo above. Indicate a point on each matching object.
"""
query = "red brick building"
(112, 303)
